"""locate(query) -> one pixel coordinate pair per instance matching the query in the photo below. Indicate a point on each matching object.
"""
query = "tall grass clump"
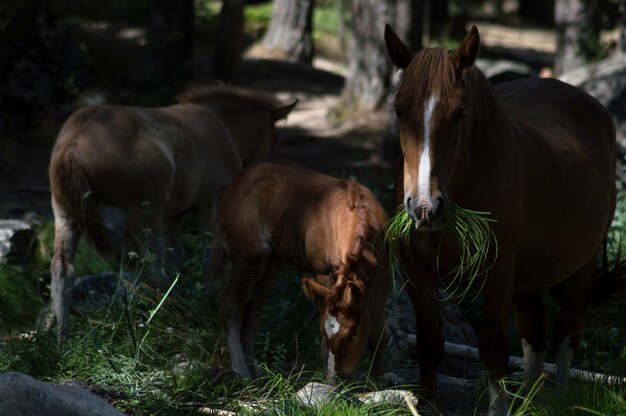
(471, 230)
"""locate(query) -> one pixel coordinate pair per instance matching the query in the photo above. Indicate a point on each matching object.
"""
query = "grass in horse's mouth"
(472, 231)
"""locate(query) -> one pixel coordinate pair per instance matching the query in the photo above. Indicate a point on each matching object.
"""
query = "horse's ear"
(353, 293)
(282, 112)
(313, 290)
(465, 55)
(399, 53)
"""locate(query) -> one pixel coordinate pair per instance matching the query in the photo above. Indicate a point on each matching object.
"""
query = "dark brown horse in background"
(539, 155)
(156, 165)
(276, 213)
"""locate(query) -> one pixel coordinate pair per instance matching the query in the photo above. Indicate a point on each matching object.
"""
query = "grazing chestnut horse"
(277, 213)
(539, 155)
(155, 164)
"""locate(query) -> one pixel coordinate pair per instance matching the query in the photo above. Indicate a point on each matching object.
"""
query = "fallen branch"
(517, 363)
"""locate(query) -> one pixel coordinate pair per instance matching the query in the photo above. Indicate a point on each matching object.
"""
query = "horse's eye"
(458, 114)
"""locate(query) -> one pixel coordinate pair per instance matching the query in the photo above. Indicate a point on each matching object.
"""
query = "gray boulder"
(18, 240)
(502, 70)
(22, 395)
(606, 81)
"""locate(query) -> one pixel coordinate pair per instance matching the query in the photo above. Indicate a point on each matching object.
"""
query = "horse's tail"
(71, 189)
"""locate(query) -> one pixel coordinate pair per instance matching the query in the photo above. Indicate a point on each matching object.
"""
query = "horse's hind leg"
(233, 301)
(173, 256)
(530, 316)
(66, 239)
(262, 292)
(573, 298)
(143, 237)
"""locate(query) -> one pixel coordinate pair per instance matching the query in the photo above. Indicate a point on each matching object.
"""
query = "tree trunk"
(437, 17)
(621, 27)
(229, 41)
(289, 34)
(171, 39)
(410, 22)
(538, 11)
(577, 34)
(370, 68)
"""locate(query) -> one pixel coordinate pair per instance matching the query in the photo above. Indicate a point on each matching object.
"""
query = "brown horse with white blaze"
(276, 213)
(537, 154)
(172, 160)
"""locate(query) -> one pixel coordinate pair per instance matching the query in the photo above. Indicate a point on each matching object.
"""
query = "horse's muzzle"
(427, 215)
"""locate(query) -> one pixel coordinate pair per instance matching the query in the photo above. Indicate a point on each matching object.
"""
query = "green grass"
(474, 235)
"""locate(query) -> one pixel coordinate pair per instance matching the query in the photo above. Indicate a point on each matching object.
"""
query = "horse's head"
(430, 104)
(343, 322)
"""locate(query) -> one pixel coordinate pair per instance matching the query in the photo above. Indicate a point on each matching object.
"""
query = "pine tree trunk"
(171, 39)
(370, 68)
(289, 35)
(229, 41)
(576, 31)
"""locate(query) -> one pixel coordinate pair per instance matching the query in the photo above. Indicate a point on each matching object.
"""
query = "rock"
(18, 241)
(22, 395)
(96, 290)
(606, 81)
(502, 70)
(388, 396)
(314, 394)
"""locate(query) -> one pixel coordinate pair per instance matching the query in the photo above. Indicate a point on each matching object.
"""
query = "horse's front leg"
(530, 317)
(493, 341)
(233, 302)
(62, 270)
(573, 301)
(262, 291)
(422, 289)
(214, 259)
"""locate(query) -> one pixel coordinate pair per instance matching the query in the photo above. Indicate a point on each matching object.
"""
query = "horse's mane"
(207, 95)
(433, 69)
(362, 228)
(433, 61)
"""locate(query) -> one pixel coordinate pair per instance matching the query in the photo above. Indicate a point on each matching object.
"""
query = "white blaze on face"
(423, 184)
(331, 326)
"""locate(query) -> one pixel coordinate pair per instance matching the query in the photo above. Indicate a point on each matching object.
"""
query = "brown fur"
(156, 165)
(276, 213)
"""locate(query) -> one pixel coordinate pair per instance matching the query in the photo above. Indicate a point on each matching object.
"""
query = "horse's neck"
(233, 123)
(484, 136)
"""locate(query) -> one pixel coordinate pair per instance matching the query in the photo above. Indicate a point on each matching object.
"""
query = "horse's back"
(552, 105)
(135, 154)
(565, 142)
(296, 211)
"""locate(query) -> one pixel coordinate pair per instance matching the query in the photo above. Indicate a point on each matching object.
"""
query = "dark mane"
(434, 61)
(364, 226)
(204, 95)
(432, 69)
